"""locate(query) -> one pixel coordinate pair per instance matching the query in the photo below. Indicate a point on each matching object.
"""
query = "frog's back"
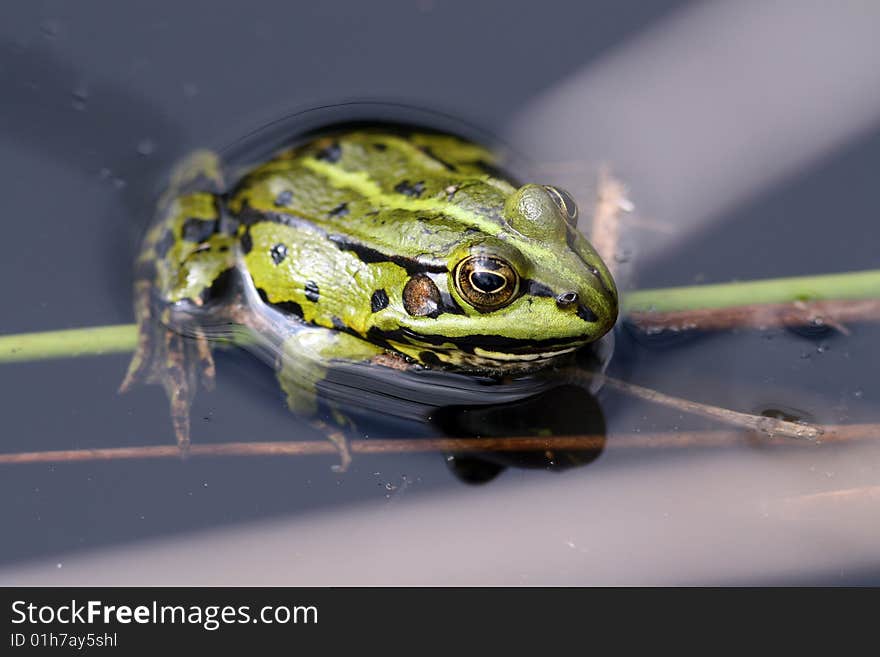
(368, 208)
(409, 196)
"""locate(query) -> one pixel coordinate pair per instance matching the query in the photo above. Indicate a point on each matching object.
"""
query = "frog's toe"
(178, 377)
(180, 420)
(339, 440)
(139, 365)
(207, 370)
(141, 362)
(345, 461)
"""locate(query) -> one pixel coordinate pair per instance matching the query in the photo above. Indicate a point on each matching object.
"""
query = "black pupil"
(487, 282)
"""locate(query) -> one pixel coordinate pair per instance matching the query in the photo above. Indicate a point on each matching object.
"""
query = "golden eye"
(565, 202)
(486, 282)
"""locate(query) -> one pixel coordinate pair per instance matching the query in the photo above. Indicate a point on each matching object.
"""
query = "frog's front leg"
(305, 359)
(183, 255)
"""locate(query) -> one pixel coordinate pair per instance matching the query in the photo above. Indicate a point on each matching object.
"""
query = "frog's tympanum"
(399, 250)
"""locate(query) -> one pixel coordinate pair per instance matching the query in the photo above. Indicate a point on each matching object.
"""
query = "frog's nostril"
(567, 299)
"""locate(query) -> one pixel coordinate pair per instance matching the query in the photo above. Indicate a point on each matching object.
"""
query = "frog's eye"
(565, 202)
(486, 282)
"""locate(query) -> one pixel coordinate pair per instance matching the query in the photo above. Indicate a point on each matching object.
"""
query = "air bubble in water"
(146, 147)
(80, 96)
(50, 28)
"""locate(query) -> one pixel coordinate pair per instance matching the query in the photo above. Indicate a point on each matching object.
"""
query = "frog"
(394, 249)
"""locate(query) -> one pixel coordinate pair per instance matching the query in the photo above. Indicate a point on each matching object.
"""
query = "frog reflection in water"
(402, 250)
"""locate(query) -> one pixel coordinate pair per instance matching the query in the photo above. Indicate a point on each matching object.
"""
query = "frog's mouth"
(485, 360)
(526, 357)
(482, 352)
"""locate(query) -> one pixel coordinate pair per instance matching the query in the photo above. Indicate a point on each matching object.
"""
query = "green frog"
(401, 250)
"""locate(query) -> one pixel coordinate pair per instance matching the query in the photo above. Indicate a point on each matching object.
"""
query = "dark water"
(98, 100)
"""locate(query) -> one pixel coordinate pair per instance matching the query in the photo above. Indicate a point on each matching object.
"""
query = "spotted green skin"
(325, 237)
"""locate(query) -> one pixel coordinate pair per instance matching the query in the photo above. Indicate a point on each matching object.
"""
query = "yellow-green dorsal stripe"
(371, 191)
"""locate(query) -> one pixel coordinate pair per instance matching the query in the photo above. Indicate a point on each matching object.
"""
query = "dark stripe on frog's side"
(341, 326)
(364, 253)
(369, 255)
(468, 343)
(249, 216)
(286, 307)
(221, 288)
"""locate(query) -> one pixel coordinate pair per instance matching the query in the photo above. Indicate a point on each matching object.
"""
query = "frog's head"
(512, 298)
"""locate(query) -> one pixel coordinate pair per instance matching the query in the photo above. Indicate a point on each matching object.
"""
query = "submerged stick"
(770, 426)
(839, 495)
(833, 434)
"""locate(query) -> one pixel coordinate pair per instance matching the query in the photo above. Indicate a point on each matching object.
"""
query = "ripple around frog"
(301, 124)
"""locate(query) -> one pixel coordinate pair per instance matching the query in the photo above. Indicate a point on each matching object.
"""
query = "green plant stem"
(92, 341)
(850, 285)
(121, 338)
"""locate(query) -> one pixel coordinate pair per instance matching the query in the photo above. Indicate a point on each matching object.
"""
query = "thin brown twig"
(844, 495)
(834, 434)
(770, 426)
(836, 313)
